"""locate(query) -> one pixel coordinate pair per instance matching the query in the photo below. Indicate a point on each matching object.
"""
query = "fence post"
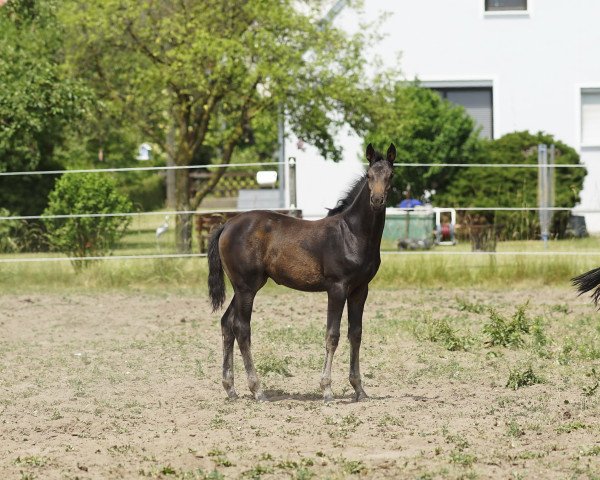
(545, 189)
(292, 182)
(281, 157)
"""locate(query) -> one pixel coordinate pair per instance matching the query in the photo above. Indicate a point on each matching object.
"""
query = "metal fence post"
(292, 182)
(545, 189)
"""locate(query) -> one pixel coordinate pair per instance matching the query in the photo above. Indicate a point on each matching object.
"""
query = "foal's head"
(379, 175)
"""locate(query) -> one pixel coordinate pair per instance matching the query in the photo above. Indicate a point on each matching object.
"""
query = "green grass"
(396, 271)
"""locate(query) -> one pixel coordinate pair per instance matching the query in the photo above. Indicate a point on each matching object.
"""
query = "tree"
(203, 74)
(425, 129)
(515, 187)
(37, 101)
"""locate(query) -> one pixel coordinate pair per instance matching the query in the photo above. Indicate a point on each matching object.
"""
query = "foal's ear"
(391, 154)
(370, 153)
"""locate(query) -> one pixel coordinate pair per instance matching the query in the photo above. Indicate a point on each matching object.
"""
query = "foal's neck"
(363, 220)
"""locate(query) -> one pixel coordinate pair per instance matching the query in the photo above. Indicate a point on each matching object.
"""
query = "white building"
(514, 64)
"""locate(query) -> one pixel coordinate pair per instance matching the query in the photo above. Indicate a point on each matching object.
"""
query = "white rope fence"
(264, 164)
(135, 214)
(215, 212)
(395, 253)
(137, 169)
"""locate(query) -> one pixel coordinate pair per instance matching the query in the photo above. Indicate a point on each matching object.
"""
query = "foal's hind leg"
(228, 339)
(356, 304)
(241, 328)
(335, 307)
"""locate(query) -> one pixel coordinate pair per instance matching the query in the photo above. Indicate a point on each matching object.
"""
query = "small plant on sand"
(440, 331)
(518, 378)
(465, 306)
(514, 429)
(272, 364)
(257, 472)
(571, 427)
(590, 390)
(353, 467)
(462, 458)
(31, 461)
(591, 452)
(503, 332)
(539, 339)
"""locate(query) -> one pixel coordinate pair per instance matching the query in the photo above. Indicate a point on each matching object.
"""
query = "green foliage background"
(205, 82)
(425, 129)
(39, 103)
(515, 187)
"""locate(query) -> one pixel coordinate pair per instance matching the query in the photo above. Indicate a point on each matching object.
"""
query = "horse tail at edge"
(216, 281)
(588, 281)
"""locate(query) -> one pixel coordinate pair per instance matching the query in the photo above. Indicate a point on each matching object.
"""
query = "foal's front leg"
(335, 307)
(356, 305)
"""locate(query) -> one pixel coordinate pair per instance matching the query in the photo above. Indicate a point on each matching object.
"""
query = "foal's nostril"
(377, 201)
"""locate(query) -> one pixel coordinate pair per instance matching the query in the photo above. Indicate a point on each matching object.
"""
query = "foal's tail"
(588, 281)
(216, 282)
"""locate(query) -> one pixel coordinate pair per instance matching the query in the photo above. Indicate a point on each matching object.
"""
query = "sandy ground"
(128, 385)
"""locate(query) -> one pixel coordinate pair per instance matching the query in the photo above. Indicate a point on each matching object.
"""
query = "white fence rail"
(264, 164)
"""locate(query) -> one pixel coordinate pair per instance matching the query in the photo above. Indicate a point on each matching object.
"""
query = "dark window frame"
(500, 7)
(443, 92)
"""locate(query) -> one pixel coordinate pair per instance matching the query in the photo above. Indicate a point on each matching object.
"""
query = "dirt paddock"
(128, 385)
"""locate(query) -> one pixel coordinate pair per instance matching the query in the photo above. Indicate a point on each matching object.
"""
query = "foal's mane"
(344, 202)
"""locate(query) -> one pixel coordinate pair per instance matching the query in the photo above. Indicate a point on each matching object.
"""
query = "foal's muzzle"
(377, 203)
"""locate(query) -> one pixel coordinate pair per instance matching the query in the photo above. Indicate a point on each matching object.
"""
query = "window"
(477, 101)
(590, 117)
(505, 5)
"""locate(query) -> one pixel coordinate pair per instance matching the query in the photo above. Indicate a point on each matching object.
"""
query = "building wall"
(536, 62)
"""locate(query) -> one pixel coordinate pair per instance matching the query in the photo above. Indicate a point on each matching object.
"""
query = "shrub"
(7, 242)
(88, 236)
(20, 235)
(514, 187)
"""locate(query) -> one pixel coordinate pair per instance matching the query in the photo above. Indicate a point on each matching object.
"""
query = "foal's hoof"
(261, 397)
(361, 397)
(232, 394)
(328, 397)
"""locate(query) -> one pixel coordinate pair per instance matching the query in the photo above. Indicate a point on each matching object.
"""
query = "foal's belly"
(296, 269)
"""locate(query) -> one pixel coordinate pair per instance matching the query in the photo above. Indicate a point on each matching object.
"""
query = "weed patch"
(440, 331)
(466, 306)
(523, 378)
(462, 458)
(590, 390)
(503, 332)
(571, 427)
(275, 365)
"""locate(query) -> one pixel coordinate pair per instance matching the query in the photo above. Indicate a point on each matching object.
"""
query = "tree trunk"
(170, 174)
(216, 175)
(183, 222)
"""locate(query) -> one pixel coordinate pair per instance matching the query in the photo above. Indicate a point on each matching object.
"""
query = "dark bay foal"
(338, 254)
